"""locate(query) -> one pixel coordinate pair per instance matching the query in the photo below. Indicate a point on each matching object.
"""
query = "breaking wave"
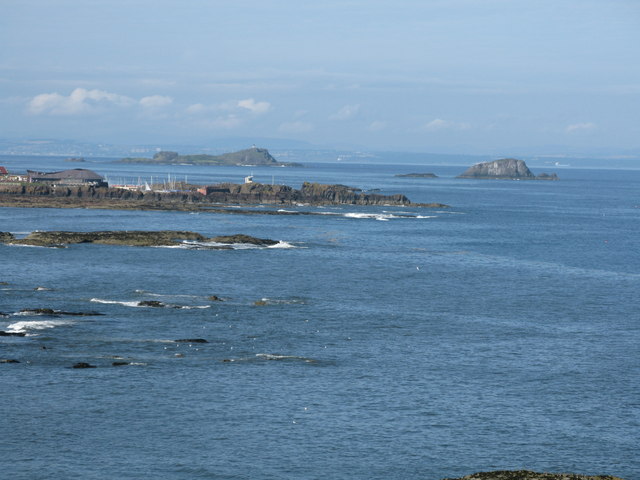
(27, 326)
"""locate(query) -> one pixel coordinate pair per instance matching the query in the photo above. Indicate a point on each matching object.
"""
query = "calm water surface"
(405, 343)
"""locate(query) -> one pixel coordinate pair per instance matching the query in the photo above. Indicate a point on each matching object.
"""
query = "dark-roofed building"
(77, 176)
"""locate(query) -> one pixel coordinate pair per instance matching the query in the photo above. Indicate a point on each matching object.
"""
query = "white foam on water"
(375, 216)
(27, 326)
(116, 302)
(282, 244)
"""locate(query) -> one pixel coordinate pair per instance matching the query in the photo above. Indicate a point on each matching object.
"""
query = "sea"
(501, 332)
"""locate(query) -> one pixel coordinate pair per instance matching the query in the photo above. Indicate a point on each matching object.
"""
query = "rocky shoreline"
(212, 198)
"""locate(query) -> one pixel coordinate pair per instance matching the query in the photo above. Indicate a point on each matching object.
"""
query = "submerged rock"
(56, 313)
(529, 475)
(192, 340)
(151, 303)
(12, 334)
(83, 365)
(9, 360)
(504, 169)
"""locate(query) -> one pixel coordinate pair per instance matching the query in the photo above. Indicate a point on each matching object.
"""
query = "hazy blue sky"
(478, 76)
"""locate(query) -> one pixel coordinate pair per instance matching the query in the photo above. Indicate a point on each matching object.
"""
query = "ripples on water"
(499, 334)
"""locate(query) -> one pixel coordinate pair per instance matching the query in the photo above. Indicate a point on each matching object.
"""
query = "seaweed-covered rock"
(529, 475)
(83, 365)
(132, 238)
(240, 238)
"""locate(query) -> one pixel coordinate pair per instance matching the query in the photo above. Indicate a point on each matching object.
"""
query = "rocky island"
(249, 157)
(504, 169)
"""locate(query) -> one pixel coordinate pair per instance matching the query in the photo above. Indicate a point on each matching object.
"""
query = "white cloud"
(580, 127)
(439, 124)
(257, 108)
(377, 126)
(345, 113)
(155, 101)
(196, 109)
(295, 127)
(81, 101)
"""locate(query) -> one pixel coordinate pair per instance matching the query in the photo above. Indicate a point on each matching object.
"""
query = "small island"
(416, 175)
(249, 157)
(504, 169)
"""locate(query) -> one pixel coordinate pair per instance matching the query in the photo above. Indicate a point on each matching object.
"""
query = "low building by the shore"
(8, 178)
(74, 177)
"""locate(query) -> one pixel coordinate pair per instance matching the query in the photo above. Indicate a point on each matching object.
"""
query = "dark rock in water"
(215, 298)
(42, 289)
(192, 340)
(152, 303)
(240, 238)
(119, 364)
(529, 475)
(130, 238)
(4, 315)
(506, 168)
(12, 334)
(6, 237)
(8, 360)
(57, 313)
(417, 175)
(83, 365)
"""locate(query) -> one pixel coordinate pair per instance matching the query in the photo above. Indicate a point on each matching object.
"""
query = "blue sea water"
(387, 342)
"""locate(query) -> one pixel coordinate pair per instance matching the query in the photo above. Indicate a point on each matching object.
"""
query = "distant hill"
(250, 156)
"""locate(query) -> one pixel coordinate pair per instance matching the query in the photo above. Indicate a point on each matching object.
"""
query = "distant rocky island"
(504, 169)
(416, 175)
(248, 157)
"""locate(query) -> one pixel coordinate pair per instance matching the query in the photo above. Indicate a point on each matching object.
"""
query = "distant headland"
(249, 157)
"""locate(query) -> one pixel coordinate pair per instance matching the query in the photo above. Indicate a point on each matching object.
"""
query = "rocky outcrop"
(6, 237)
(132, 238)
(239, 238)
(529, 475)
(506, 168)
(136, 238)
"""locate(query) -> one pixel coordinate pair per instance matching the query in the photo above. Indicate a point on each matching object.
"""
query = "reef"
(504, 169)
(138, 238)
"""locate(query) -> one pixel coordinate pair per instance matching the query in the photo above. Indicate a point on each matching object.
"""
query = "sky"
(451, 76)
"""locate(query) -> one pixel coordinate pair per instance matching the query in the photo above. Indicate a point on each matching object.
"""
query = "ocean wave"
(281, 301)
(149, 304)
(273, 356)
(27, 326)
(116, 302)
